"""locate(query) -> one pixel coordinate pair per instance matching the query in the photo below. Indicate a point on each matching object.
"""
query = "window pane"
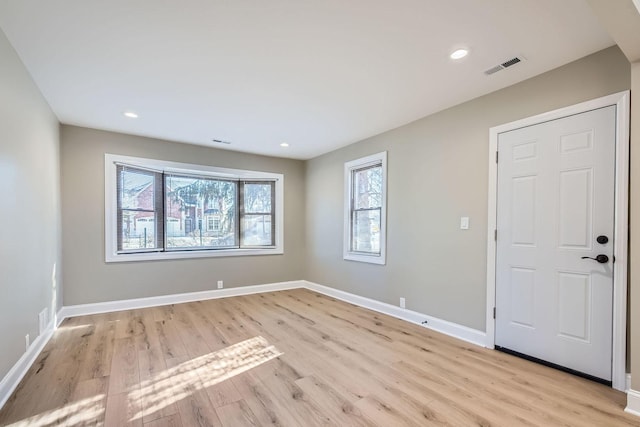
(257, 198)
(138, 230)
(256, 230)
(139, 204)
(367, 188)
(200, 212)
(136, 189)
(366, 231)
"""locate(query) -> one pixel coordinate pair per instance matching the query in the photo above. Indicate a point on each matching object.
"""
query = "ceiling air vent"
(493, 70)
(505, 64)
(512, 61)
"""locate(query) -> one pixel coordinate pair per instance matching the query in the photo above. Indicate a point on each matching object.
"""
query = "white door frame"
(621, 220)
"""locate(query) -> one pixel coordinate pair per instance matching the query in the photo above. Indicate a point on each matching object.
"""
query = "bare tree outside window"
(198, 204)
(367, 204)
(258, 216)
(156, 209)
(365, 209)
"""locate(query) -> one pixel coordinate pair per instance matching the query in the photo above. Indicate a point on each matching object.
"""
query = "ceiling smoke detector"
(506, 64)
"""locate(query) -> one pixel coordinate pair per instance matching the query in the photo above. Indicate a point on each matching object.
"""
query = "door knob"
(600, 258)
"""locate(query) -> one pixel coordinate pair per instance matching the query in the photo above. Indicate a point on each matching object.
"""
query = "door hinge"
(495, 235)
(496, 157)
(494, 312)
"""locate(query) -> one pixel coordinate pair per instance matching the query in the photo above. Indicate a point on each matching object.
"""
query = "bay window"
(157, 209)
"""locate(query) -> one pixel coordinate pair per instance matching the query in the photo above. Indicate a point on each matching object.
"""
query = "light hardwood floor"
(290, 358)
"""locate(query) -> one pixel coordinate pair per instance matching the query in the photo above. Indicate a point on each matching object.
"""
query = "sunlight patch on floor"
(67, 329)
(177, 383)
(83, 412)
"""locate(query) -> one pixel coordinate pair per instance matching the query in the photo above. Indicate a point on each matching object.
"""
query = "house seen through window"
(165, 210)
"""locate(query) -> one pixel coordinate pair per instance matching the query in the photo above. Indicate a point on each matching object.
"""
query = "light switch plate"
(464, 223)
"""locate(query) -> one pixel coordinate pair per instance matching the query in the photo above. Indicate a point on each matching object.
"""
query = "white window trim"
(111, 203)
(348, 168)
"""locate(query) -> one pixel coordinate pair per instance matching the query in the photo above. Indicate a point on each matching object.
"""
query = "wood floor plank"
(154, 398)
(162, 312)
(290, 402)
(125, 371)
(193, 341)
(168, 421)
(253, 324)
(170, 341)
(198, 315)
(257, 398)
(237, 414)
(122, 410)
(187, 391)
(223, 393)
(147, 338)
(331, 401)
(377, 412)
(97, 362)
(227, 323)
(290, 358)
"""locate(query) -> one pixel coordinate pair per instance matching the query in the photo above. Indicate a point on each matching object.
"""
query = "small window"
(365, 209)
(258, 214)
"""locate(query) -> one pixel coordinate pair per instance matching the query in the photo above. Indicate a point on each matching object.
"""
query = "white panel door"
(555, 198)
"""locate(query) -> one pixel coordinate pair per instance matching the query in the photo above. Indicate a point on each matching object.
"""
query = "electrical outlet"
(220, 284)
(27, 341)
(43, 319)
(402, 302)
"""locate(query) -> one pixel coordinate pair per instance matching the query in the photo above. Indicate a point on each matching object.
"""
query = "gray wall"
(438, 172)
(29, 212)
(89, 279)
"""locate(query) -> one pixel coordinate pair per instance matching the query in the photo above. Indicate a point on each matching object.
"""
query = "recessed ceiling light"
(130, 114)
(459, 54)
(284, 144)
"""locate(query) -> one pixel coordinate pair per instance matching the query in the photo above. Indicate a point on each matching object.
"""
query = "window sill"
(370, 259)
(157, 256)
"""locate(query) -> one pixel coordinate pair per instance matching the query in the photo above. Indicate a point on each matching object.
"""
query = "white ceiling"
(317, 74)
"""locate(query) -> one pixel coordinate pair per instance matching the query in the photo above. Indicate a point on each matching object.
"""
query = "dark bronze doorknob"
(600, 258)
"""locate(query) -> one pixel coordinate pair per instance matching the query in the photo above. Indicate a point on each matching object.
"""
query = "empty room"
(336, 213)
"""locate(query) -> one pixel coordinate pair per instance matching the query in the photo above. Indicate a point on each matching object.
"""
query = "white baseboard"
(18, 371)
(130, 304)
(449, 328)
(633, 402)
(12, 379)
(464, 333)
